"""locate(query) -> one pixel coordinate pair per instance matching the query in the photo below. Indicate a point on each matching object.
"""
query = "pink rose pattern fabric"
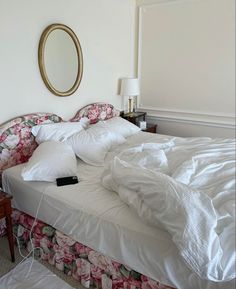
(84, 264)
(96, 111)
(2, 227)
(16, 141)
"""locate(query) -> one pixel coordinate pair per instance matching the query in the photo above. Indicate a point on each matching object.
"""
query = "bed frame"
(84, 264)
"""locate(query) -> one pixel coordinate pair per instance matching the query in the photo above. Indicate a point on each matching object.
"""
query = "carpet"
(6, 265)
(30, 274)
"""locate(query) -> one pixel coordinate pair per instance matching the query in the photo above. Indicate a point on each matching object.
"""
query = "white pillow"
(92, 145)
(120, 125)
(55, 131)
(49, 161)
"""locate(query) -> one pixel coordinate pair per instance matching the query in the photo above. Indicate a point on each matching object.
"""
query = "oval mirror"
(60, 59)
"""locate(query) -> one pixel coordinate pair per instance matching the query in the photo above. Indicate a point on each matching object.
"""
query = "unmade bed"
(98, 218)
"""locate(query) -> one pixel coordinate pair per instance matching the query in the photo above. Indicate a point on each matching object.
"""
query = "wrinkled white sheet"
(195, 204)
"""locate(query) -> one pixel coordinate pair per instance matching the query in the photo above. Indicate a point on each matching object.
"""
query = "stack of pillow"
(60, 143)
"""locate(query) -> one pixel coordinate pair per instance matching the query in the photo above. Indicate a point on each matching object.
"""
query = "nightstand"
(5, 212)
(135, 117)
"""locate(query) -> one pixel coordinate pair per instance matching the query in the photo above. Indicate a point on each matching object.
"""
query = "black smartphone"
(67, 181)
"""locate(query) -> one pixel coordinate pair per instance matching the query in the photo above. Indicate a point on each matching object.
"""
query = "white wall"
(105, 30)
(186, 65)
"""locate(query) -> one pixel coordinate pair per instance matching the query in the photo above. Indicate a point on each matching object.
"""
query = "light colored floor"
(6, 265)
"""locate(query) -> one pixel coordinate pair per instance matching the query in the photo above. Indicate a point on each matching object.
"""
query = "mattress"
(97, 218)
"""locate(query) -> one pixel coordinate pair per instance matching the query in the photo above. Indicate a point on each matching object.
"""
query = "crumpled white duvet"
(187, 187)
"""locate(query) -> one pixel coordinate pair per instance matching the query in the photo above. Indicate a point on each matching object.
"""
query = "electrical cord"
(32, 251)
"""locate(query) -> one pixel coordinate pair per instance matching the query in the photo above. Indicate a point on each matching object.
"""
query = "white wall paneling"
(190, 128)
(105, 29)
(186, 62)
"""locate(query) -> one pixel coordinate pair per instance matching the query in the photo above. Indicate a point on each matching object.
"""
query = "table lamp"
(129, 89)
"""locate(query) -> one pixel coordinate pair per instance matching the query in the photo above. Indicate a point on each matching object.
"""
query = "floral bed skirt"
(2, 227)
(87, 266)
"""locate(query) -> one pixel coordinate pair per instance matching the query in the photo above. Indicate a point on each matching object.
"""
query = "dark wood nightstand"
(135, 117)
(5, 212)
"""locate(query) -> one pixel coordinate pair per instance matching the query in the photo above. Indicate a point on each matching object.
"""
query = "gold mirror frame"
(41, 61)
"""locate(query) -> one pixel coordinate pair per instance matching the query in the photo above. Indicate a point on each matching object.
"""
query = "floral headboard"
(96, 111)
(16, 141)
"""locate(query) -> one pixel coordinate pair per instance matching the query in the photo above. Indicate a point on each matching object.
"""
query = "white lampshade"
(129, 87)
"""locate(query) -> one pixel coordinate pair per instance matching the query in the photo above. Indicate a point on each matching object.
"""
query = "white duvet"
(187, 187)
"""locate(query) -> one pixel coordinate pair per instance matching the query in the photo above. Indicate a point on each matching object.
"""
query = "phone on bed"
(67, 181)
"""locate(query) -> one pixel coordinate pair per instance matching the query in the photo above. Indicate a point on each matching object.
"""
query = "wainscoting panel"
(186, 67)
(208, 126)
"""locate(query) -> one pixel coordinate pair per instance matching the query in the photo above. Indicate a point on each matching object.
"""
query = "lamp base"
(130, 105)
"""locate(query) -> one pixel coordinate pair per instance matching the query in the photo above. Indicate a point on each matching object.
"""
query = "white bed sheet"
(98, 218)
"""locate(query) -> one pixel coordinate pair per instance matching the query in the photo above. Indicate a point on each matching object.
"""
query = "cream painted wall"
(105, 30)
(203, 99)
